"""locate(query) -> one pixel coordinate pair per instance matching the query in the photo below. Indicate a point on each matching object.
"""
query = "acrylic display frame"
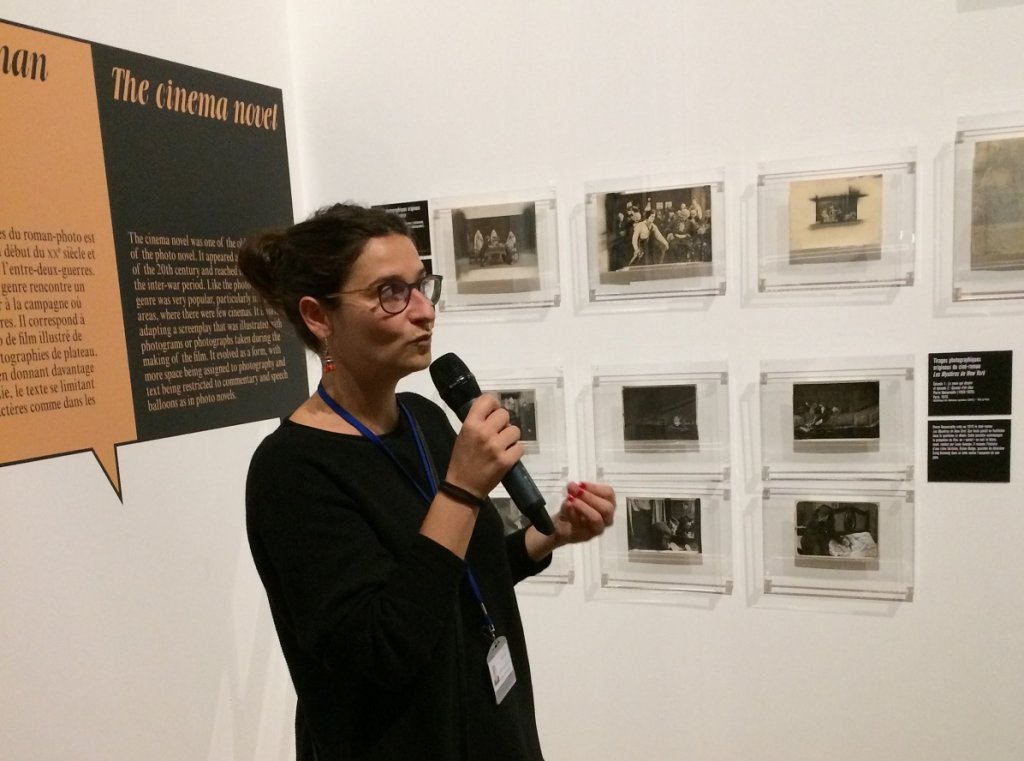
(639, 575)
(497, 272)
(839, 242)
(672, 450)
(848, 441)
(562, 568)
(696, 258)
(863, 516)
(545, 453)
(1001, 277)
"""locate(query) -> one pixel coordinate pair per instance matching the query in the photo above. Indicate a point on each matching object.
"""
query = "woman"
(393, 601)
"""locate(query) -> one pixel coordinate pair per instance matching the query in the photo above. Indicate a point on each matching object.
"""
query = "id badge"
(499, 664)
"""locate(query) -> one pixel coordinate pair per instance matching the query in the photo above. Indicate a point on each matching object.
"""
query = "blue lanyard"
(428, 495)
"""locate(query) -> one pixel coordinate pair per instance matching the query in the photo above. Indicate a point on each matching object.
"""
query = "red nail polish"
(583, 486)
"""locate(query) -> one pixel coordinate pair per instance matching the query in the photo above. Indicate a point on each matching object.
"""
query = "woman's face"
(366, 340)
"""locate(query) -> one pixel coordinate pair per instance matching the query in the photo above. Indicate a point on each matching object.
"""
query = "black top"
(378, 626)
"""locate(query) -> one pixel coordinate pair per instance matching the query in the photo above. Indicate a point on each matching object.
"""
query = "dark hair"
(312, 258)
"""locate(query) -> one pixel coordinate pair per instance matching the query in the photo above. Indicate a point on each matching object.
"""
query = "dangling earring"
(328, 360)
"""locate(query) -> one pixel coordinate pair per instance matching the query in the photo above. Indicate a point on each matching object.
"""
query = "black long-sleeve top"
(377, 623)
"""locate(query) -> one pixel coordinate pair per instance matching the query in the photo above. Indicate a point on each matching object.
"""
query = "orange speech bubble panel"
(64, 377)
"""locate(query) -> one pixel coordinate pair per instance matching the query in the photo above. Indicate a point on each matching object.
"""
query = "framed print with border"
(497, 251)
(846, 222)
(840, 418)
(661, 420)
(671, 538)
(838, 542)
(988, 213)
(650, 237)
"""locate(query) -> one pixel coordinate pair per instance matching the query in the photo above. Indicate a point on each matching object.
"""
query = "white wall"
(404, 101)
(139, 631)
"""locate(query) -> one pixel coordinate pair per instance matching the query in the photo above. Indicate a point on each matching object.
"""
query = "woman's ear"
(315, 316)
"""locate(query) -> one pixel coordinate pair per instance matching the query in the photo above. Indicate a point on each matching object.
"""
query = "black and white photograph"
(521, 405)
(841, 410)
(835, 220)
(654, 234)
(997, 205)
(837, 529)
(495, 248)
(663, 525)
(655, 417)
(511, 519)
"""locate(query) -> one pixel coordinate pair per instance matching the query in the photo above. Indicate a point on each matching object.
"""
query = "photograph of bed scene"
(663, 525)
(835, 411)
(837, 529)
(655, 234)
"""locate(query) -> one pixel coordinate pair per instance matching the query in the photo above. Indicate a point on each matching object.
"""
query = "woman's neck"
(372, 404)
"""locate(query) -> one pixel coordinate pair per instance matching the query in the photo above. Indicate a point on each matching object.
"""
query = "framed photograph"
(843, 530)
(671, 539)
(835, 410)
(664, 420)
(988, 213)
(835, 220)
(497, 251)
(659, 417)
(521, 405)
(663, 525)
(836, 224)
(535, 401)
(848, 540)
(561, 570)
(650, 237)
(844, 418)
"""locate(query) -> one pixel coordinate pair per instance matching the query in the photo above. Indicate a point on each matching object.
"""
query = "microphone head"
(453, 381)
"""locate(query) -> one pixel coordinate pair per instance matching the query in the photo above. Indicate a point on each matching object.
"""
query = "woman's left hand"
(587, 510)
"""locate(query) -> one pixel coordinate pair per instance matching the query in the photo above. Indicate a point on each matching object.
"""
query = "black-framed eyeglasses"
(394, 295)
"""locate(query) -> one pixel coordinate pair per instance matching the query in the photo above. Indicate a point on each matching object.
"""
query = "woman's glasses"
(394, 295)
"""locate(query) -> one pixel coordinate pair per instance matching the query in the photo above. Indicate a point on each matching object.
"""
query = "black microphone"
(459, 389)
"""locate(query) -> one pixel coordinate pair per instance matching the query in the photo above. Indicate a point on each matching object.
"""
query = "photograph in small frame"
(521, 405)
(835, 220)
(836, 411)
(511, 518)
(666, 526)
(655, 234)
(495, 248)
(997, 205)
(656, 418)
(844, 530)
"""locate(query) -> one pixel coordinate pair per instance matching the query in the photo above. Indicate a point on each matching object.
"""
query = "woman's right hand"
(486, 448)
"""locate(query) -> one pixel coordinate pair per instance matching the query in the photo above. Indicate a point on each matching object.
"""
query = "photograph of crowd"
(837, 529)
(997, 205)
(659, 413)
(654, 228)
(835, 410)
(663, 525)
(835, 220)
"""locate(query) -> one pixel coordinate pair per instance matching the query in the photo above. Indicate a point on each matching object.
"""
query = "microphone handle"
(521, 489)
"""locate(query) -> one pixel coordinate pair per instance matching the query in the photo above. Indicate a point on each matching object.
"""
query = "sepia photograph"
(654, 234)
(496, 248)
(663, 525)
(997, 205)
(835, 220)
(837, 529)
(658, 417)
(521, 405)
(843, 410)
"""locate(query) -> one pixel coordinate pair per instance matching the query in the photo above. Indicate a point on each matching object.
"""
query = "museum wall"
(139, 629)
